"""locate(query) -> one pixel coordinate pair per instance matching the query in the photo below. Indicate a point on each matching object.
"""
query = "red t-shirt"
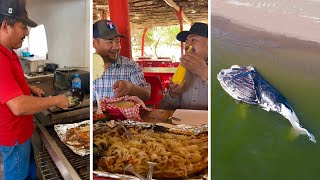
(12, 84)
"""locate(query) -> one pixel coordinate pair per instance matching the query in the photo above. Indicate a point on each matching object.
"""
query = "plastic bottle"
(76, 82)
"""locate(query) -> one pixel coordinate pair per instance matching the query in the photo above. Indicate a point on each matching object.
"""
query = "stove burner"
(38, 74)
(33, 74)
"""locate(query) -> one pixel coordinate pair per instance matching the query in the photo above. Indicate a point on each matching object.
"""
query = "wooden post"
(119, 14)
(143, 39)
(179, 14)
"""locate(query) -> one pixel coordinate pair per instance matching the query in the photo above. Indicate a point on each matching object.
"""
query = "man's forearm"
(204, 74)
(141, 92)
(28, 105)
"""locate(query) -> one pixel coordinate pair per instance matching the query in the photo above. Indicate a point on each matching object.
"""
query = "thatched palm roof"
(150, 13)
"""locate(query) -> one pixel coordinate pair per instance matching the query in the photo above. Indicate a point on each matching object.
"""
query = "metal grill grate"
(80, 164)
(46, 166)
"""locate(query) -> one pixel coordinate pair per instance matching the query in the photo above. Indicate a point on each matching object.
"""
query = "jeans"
(19, 161)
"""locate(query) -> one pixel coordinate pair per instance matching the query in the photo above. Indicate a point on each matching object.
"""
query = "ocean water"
(249, 142)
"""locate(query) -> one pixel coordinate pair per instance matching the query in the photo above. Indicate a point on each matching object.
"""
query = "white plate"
(190, 117)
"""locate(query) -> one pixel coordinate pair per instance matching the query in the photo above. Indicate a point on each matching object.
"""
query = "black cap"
(197, 28)
(16, 9)
(105, 29)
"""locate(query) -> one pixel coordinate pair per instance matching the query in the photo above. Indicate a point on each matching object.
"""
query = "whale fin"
(266, 108)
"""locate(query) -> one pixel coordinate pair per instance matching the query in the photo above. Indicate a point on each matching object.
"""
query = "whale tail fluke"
(291, 116)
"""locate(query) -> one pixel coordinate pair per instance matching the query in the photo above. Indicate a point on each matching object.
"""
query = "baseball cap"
(105, 29)
(16, 9)
(197, 28)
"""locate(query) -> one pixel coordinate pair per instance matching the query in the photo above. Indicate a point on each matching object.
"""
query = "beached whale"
(246, 85)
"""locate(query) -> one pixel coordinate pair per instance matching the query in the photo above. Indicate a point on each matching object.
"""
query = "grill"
(46, 166)
(56, 160)
(80, 164)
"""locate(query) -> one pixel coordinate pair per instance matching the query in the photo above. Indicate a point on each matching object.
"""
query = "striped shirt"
(122, 69)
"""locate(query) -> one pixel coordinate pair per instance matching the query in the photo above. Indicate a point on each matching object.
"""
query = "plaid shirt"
(122, 69)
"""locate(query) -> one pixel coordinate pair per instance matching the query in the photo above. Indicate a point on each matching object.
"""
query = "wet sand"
(293, 53)
(293, 18)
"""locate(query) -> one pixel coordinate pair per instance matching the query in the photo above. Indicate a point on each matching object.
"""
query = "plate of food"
(175, 155)
(125, 107)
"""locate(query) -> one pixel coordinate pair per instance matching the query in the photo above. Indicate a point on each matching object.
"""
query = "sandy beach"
(292, 40)
(292, 18)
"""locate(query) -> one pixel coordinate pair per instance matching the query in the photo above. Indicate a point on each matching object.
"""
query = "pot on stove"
(40, 69)
(51, 67)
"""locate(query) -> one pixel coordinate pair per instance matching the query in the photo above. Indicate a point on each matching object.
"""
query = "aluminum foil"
(114, 175)
(123, 176)
(179, 129)
(61, 130)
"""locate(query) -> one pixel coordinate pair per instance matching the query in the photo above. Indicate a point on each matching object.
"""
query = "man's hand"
(62, 101)
(36, 91)
(195, 64)
(122, 88)
(175, 90)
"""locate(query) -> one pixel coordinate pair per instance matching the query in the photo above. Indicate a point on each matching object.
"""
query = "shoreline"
(238, 34)
(296, 19)
(283, 52)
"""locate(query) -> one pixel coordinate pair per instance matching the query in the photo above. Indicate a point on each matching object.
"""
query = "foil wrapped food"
(62, 129)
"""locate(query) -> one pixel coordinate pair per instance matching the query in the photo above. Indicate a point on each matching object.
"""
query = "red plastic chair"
(174, 64)
(156, 91)
(164, 64)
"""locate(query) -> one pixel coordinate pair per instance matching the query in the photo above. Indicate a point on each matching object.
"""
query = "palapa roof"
(151, 13)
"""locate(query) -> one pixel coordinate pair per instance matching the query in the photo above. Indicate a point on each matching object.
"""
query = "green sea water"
(251, 143)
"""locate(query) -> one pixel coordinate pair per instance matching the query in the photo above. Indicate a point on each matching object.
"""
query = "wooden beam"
(176, 7)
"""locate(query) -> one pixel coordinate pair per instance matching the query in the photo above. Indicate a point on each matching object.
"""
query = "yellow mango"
(178, 77)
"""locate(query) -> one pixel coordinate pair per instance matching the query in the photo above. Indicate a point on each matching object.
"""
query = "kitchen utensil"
(130, 168)
(150, 171)
(126, 132)
(99, 111)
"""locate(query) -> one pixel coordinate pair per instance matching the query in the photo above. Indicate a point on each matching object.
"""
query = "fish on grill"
(246, 85)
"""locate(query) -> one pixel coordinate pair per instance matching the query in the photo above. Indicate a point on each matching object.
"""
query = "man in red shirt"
(16, 103)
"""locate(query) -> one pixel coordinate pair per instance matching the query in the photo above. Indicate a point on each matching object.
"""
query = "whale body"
(245, 84)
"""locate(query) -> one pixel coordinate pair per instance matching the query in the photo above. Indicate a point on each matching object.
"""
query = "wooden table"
(154, 62)
(159, 71)
(157, 115)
